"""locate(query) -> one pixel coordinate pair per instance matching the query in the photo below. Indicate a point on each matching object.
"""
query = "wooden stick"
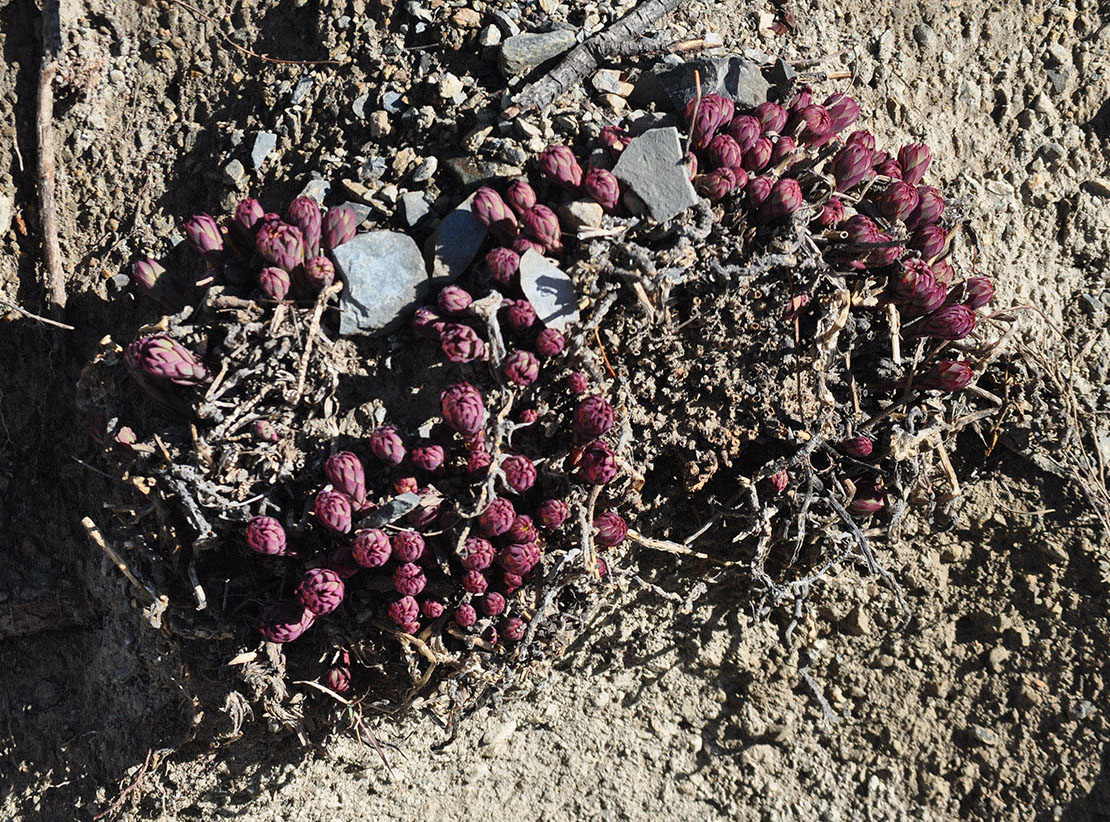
(48, 213)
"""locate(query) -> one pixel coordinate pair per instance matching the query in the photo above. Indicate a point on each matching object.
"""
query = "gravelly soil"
(990, 704)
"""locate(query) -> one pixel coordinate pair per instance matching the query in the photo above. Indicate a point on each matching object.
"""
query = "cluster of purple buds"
(161, 357)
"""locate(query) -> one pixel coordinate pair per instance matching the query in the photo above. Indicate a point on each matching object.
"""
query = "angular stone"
(735, 77)
(469, 171)
(383, 272)
(581, 214)
(234, 173)
(7, 208)
(550, 291)
(524, 52)
(455, 242)
(413, 207)
(317, 189)
(652, 168)
(264, 143)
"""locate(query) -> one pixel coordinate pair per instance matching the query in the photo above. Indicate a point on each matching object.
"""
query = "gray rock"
(361, 210)
(781, 73)
(301, 90)
(391, 101)
(469, 171)
(550, 291)
(652, 168)
(391, 511)
(425, 170)
(925, 36)
(359, 106)
(490, 36)
(982, 736)
(734, 77)
(523, 52)
(455, 242)
(383, 272)
(316, 189)
(504, 22)
(413, 207)
(264, 143)
(7, 207)
(580, 214)
(234, 173)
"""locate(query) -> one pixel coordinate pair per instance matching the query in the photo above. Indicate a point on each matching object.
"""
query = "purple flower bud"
(371, 548)
(527, 416)
(614, 140)
(859, 447)
(705, 116)
(914, 158)
(461, 343)
(281, 244)
(550, 343)
(611, 529)
(408, 579)
(833, 212)
(520, 473)
(204, 236)
(408, 546)
(152, 280)
(758, 156)
(492, 604)
(337, 678)
(851, 166)
(333, 510)
(266, 431)
(785, 198)
(802, 100)
(930, 207)
(552, 513)
(512, 628)
(432, 609)
(928, 301)
(784, 147)
(404, 611)
(519, 558)
(914, 281)
(266, 536)
(602, 187)
(863, 138)
(521, 367)
(476, 554)
(883, 254)
(342, 561)
(843, 111)
(428, 456)
(159, 356)
(541, 224)
(946, 375)
(386, 445)
(779, 481)
(745, 130)
(976, 292)
(716, 184)
(577, 383)
(886, 166)
(321, 591)
(520, 315)
(942, 270)
(339, 226)
(475, 582)
(898, 201)
(522, 245)
(465, 615)
(283, 621)
(560, 166)
(274, 283)
(497, 518)
(346, 474)
(478, 461)
(427, 324)
(493, 213)
(304, 213)
(319, 273)
(867, 501)
(598, 464)
(758, 189)
(523, 530)
(593, 418)
(724, 152)
(247, 213)
(771, 117)
(520, 196)
(463, 409)
(511, 583)
(453, 300)
(929, 240)
(503, 264)
(814, 125)
(952, 322)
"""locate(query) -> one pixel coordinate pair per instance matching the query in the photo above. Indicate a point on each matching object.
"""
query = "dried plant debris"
(767, 377)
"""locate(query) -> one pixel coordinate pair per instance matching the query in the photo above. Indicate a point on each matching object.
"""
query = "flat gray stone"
(455, 242)
(317, 189)
(300, 91)
(734, 77)
(413, 207)
(579, 214)
(550, 291)
(7, 207)
(523, 52)
(264, 143)
(469, 171)
(234, 173)
(361, 210)
(651, 166)
(383, 272)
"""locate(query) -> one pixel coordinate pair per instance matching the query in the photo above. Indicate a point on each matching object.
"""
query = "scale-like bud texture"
(461, 343)
(408, 579)
(475, 582)
(319, 273)
(946, 375)
(503, 264)
(724, 152)
(333, 511)
(321, 590)
(274, 282)
(851, 166)
(160, 356)
(408, 546)
(930, 240)
(611, 529)
(512, 628)
(602, 187)
(304, 213)
(598, 464)
(758, 156)
(541, 224)
(843, 111)
(771, 117)
(463, 409)
(476, 554)
(716, 184)
(284, 621)
(521, 367)
(266, 536)
(745, 130)
(930, 207)
(977, 292)
(614, 139)
(560, 166)
(492, 604)
(204, 236)
(898, 201)
(465, 615)
(785, 198)
(453, 300)
(594, 417)
(520, 315)
(952, 322)
(339, 226)
(386, 444)
(520, 196)
(914, 158)
(552, 513)
(520, 473)
(404, 611)
(371, 548)
(519, 558)
(497, 518)
(345, 472)
(281, 244)
(550, 343)
(428, 456)
(859, 447)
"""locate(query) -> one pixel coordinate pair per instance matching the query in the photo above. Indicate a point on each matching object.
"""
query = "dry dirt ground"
(990, 704)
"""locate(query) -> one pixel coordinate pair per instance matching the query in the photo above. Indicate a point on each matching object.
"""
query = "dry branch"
(48, 212)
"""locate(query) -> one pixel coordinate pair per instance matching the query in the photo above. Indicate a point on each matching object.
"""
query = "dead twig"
(48, 210)
(115, 806)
